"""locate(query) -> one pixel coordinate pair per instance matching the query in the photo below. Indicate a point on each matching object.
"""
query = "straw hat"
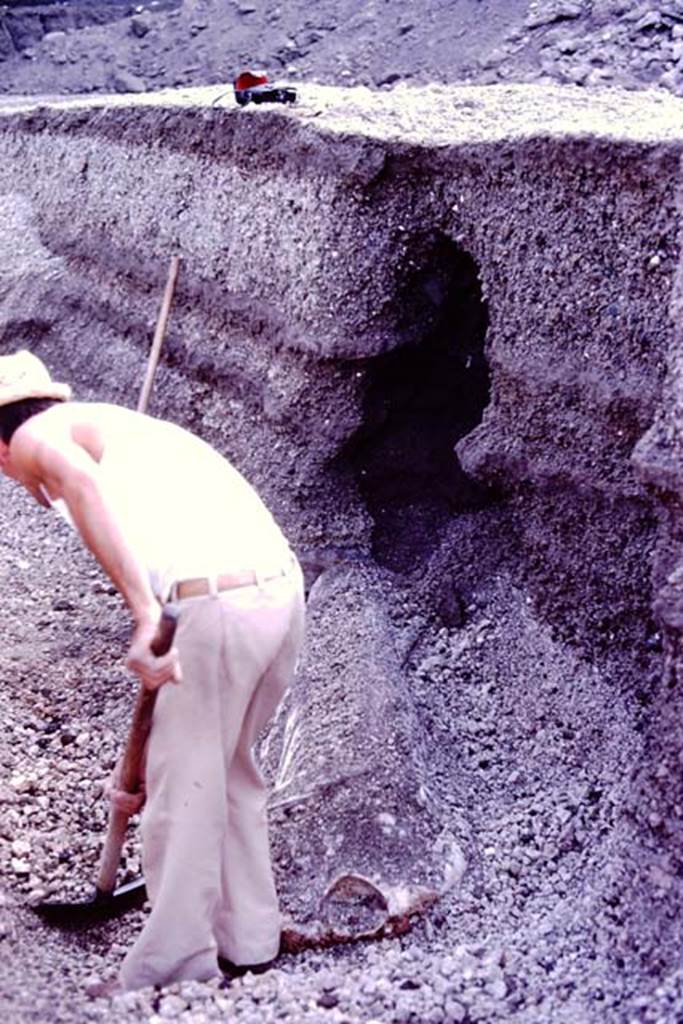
(23, 375)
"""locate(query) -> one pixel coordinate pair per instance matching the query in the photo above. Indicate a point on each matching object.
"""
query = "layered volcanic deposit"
(439, 328)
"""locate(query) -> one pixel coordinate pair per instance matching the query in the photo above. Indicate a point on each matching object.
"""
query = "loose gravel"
(529, 740)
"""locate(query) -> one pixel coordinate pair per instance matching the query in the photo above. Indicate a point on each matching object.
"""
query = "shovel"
(108, 901)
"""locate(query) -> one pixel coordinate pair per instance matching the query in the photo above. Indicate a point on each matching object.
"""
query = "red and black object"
(251, 87)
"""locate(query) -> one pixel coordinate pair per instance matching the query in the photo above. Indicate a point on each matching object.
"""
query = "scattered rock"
(126, 81)
(328, 1000)
(140, 24)
(546, 12)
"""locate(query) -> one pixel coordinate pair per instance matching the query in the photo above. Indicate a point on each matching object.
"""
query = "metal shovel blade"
(102, 906)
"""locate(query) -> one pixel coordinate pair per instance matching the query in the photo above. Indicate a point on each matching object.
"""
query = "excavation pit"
(449, 307)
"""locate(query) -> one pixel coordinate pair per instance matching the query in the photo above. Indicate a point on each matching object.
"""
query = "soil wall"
(314, 241)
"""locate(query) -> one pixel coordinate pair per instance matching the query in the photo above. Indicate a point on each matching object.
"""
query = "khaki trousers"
(206, 855)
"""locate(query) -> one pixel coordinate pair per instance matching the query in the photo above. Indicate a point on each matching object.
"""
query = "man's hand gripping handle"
(131, 763)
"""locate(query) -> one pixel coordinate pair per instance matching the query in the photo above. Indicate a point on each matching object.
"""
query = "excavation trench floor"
(537, 771)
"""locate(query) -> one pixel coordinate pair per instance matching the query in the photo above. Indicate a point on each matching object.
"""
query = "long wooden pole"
(159, 333)
(141, 724)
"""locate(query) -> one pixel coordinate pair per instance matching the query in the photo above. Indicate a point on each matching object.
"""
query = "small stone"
(651, 19)
(328, 1000)
(21, 848)
(672, 80)
(498, 988)
(125, 81)
(21, 783)
(454, 1011)
(55, 44)
(20, 867)
(140, 24)
(467, 963)
(448, 967)
(171, 1007)
(560, 10)
(660, 878)
(568, 45)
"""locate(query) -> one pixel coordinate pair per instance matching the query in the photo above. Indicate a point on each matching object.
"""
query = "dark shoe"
(239, 970)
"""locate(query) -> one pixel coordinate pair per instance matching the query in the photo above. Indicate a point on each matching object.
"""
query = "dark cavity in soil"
(420, 400)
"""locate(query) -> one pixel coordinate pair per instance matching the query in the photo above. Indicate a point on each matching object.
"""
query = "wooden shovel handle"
(131, 764)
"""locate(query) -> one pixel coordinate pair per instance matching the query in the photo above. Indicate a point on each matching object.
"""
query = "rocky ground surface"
(113, 45)
(534, 933)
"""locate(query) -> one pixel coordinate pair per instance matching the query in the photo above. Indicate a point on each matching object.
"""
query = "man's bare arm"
(67, 470)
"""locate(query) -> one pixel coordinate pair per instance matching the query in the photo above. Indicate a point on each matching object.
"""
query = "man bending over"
(167, 517)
